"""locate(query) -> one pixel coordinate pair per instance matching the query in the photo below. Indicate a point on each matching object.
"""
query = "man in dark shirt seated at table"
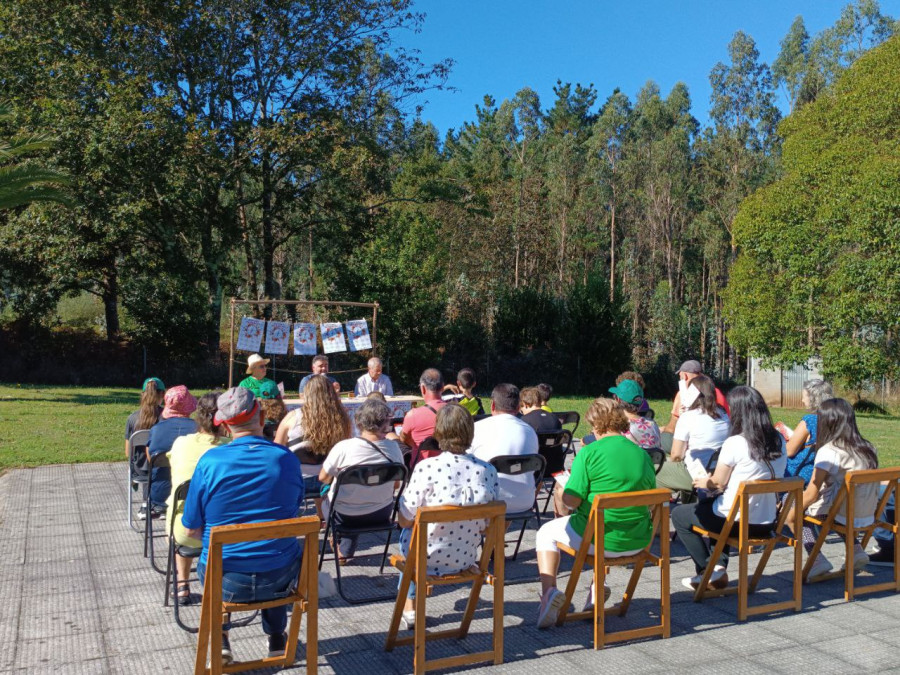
(250, 480)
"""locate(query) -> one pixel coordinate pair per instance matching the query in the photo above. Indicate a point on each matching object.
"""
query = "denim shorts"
(312, 486)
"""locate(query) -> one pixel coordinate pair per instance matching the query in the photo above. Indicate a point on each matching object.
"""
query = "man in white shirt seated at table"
(503, 433)
(374, 380)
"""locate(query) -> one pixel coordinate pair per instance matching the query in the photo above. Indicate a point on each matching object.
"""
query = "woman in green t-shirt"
(610, 464)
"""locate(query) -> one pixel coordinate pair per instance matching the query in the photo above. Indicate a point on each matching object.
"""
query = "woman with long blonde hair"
(312, 430)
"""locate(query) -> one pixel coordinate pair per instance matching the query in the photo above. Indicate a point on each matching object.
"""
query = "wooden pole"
(375, 331)
(231, 346)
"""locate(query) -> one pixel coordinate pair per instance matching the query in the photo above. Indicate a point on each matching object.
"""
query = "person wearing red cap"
(249, 480)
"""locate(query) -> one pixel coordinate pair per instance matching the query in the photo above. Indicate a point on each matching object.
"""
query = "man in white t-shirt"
(505, 434)
(374, 380)
(362, 505)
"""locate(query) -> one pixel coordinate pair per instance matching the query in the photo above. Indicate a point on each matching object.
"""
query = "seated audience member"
(612, 463)
(272, 405)
(249, 480)
(542, 422)
(546, 392)
(686, 374)
(256, 375)
(465, 380)
(361, 505)
(313, 429)
(144, 417)
(644, 410)
(801, 446)
(390, 435)
(452, 478)
(503, 433)
(175, 422)
(374, 380)
(642, 431)
(754, 451)
(841, 448)
(183, 457)
(418, 423)
(701, 430)
(148, 413)
(319, 367)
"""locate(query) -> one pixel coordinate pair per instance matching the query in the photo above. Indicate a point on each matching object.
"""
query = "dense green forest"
(272, 149)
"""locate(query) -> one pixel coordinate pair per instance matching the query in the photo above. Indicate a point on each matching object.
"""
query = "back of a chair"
(654, 500)
(569, 417)
(867, 479)
(793, 491)
(369, 475)
(136, 455)
(554, 445)
(493, 512)
(658, 457)
(516, 465)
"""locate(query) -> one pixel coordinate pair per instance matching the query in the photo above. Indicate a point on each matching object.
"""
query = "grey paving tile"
(59, 652)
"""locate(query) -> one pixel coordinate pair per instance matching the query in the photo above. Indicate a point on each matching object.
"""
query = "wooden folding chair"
(847, 495)
(658, 503)
(414, 569)
(304, 599)
(793, 489)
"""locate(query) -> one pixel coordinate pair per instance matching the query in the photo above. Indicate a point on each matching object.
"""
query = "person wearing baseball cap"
(642, 431)
(249, 480)
(686, 372)
(256, 375)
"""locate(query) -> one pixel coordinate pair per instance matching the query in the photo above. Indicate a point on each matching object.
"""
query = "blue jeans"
(405, 536)
(885, 538)
(259, 587)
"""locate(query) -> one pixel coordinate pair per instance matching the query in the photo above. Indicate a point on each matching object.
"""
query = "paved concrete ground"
(76, 596)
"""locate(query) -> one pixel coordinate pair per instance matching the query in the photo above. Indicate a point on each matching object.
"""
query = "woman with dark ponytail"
(754, 451)
(151, 406)
(839, 448)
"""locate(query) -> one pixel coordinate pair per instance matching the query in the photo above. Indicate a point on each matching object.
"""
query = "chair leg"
(742, 581)
(768, 547)
(419, 629)
(170, 567)
(814, 553)
(387, 546)
(402, 592)
(632, 585)
(600, 608)
(710, 566)
(203, 635)
(519, 540)
(849, 563)
(469, 612)
(570, 590)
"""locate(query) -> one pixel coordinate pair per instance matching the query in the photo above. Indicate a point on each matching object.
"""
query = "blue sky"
(500, 46)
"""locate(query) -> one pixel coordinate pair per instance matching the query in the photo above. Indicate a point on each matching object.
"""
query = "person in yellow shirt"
(183, 457)
(465, 380)
(546, 392)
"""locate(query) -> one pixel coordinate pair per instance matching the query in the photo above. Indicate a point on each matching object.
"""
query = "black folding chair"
(178, 496)
(137, 472)
(553, 446)
(658, 457)
(516, 465)
(156, 462)
(570, 417)
(367, 475)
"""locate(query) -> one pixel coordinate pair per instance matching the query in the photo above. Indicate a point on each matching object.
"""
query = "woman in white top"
(451, 478)
(701, 430)
(755, 451)
(361, 505)
(839, 448)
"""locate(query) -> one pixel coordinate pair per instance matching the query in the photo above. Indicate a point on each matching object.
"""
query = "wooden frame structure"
(305, 598)
(305, 303)
(847, 495)
(415, 568)
(793, 488)
(658, 503)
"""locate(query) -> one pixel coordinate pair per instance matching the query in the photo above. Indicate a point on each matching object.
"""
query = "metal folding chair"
(156, 461)
(658, 457)
(569, 417)
(371, 475)
(552, 444)
(137, 471)
(516, 465)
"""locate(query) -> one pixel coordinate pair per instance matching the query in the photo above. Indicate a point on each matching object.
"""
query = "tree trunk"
(612, 250)
(110, 296)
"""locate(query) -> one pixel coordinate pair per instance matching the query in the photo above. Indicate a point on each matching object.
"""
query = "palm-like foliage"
(22, 183)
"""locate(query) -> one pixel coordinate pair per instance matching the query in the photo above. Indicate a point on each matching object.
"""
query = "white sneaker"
(860, 558)
(408, 620)
(589, 601)
(820, 567)
(718, 579)
(551, 603)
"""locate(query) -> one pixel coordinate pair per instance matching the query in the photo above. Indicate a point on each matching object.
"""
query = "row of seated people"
(252, 479)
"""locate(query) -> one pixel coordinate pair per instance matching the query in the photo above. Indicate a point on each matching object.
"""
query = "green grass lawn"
(61, 425)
